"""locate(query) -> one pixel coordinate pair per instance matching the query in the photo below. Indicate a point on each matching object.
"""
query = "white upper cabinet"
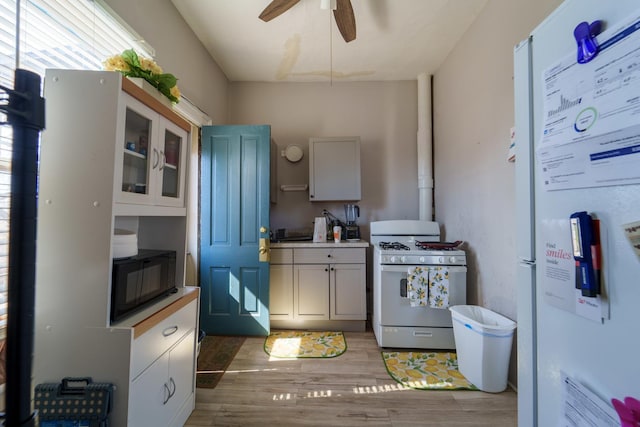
(122, 141)
(150, 157)
(334, 169)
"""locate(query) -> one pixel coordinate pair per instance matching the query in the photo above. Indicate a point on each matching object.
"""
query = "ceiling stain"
(334, 74)
(291, 54)
(290, 58)
(399, 39)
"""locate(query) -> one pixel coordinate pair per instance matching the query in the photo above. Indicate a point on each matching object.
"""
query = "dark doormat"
(216, 353)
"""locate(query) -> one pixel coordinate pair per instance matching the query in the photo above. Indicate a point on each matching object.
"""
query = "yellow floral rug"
(426, 371)
(305, 344)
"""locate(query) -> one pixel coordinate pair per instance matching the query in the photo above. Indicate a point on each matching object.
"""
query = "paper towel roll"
(320, 230)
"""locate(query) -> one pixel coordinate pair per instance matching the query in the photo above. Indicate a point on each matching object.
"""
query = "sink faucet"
(331, 218)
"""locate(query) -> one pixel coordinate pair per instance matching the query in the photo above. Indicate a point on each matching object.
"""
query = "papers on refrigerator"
(559, 273)
(582, 408)
(591, 135)
(632, 233)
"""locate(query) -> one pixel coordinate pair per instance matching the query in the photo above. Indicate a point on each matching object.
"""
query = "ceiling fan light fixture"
(328, 4)
(342, 13)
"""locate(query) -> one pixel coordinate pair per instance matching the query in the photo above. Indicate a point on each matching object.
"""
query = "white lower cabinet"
(163, 365)
(281, 284)
(311, 291)
(319, 284)
(149, 345)
(281, 292)
(163, 388)
(347, 292)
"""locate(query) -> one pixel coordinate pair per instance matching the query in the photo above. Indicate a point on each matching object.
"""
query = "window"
(72, 34)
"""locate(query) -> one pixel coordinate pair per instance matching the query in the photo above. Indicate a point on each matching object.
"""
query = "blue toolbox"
(75, 402)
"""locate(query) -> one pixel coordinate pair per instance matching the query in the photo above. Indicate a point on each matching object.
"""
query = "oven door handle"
(395, 268)
(403, 288)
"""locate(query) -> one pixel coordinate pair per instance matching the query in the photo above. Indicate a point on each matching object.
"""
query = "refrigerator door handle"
(527, 262)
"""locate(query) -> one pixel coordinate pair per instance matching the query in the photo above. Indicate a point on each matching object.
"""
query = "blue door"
(234, 230)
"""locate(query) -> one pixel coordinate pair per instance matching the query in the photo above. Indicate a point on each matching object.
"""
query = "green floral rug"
(305, 344)
(426, 371)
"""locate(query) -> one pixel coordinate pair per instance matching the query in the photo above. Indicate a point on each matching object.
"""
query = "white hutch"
(112, 156)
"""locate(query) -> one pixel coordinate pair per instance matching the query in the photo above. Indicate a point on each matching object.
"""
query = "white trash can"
(483, 344)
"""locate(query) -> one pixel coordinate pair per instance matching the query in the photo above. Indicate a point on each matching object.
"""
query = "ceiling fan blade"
(345, 20)
(276, 8)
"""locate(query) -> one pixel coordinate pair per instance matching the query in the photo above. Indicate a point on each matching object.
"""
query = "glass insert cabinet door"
(136, 159)
(171, 164)
(153, 157)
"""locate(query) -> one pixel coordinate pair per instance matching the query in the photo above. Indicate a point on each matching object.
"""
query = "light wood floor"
(353, 389)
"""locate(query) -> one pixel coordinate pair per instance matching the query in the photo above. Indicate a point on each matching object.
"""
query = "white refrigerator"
(577, 149)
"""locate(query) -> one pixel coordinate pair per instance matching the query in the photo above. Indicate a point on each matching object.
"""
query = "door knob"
(264, 250)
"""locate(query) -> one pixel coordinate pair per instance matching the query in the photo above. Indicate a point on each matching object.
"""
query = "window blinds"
(70, 34)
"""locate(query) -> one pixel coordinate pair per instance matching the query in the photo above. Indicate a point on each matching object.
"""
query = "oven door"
(396, 309)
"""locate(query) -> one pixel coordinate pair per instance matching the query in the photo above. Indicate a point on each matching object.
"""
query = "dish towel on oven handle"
(428, 287)
(418, 286)
(438, 287)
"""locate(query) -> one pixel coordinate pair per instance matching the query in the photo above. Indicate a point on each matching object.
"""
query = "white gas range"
(400, 246)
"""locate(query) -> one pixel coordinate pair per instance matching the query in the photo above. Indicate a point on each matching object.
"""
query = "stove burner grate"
(393, 245)
(440, 246)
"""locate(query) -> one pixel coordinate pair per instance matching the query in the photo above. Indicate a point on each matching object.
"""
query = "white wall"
(383, 115)
(473, 114)
(179, 52)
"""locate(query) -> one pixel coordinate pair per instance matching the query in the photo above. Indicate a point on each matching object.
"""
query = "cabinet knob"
(329, 256)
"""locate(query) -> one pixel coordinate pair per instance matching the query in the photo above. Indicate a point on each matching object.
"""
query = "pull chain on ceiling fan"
(343, 15)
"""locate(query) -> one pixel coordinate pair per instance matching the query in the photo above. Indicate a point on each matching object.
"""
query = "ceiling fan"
(342, 13)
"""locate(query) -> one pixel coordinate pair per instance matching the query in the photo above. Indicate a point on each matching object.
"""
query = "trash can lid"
(482, 317)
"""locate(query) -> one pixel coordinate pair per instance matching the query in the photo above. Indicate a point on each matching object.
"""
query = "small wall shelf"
(294, 187)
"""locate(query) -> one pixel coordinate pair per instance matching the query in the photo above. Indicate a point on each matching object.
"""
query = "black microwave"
(140, 280)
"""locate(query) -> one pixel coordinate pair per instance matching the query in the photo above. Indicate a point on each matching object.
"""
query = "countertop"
(331, 244)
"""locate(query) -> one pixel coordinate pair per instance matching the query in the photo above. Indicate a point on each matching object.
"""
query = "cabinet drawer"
(329, 255)
(281, 256)
(153, 343)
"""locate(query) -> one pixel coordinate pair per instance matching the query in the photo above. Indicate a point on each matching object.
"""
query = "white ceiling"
(396, 39)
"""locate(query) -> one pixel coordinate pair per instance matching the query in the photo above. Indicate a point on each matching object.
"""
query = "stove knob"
(441, 260)
(421, 260)
(452, 260)
(403, 259)
(392, 260)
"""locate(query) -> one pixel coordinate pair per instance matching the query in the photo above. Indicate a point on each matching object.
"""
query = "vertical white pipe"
(425, 163)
